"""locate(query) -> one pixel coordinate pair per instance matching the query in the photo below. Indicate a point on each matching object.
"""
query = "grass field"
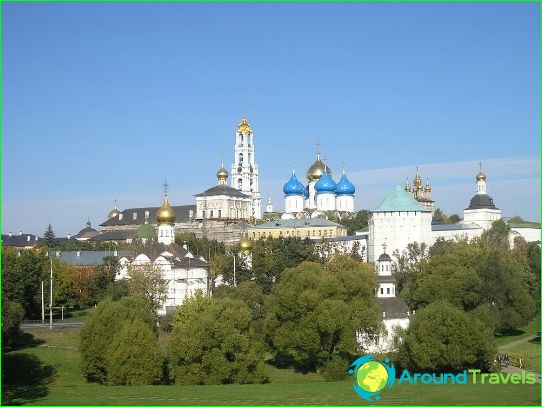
(45, 370)
(530, 352)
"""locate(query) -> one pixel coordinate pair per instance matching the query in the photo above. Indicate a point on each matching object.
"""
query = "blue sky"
(104, 101)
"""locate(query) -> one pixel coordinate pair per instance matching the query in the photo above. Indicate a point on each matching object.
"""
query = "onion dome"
(317, 169)
(480, 176)
(407, 186)
(427, 186)
(417, 180)
(222, 174)
(244, 126)
(293, 187)
(384, 257)
(245, 244)
(146, 231)
(325, 184)
(165, 213)
(113, 213)
(345, 187)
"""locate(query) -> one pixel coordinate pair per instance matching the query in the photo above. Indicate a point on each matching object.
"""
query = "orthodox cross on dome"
(222, 159)
(480, 165)
(166, 186)
(318, 146)
(293, 167)
(344, 164)
(115, 201)
(384, 245)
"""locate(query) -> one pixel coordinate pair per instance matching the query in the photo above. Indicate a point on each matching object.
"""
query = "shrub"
(100, 329)
(335, 369)
(134, 357)
(213, 345)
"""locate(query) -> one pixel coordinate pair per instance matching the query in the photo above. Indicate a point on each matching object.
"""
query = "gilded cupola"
(165, 213)
(244, 126)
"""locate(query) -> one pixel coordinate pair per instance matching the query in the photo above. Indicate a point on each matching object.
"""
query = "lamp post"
(51, 298)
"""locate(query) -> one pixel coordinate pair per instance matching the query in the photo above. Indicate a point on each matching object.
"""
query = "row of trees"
(309, 321)
(484, 277)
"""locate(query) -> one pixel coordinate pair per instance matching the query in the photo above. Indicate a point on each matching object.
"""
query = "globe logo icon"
(372, 377)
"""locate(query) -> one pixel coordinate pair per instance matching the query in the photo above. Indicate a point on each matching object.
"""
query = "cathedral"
(321, 197)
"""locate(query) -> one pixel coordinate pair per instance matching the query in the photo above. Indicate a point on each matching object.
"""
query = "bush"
(99, 330)
(335, 369)
(213, 345)
(12, 316)
(134, 357)
(442, 338)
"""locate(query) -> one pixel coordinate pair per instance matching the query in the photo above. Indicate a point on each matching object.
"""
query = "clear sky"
(104, 101)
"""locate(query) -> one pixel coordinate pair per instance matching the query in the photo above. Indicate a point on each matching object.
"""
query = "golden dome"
(244, 126)
(165, 214)
(407, 186)
(427, 187)
(245, 244)
(317, 169)
(480, 176)
(222, 174)
(113, 213)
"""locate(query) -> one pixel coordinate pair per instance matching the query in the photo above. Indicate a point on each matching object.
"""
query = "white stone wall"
(325, 202)
(529, 234)
(457, 234)
(482, 217)
(345, 203)
(397, 230)
(223, 206)
(384, 342)
(293, 203)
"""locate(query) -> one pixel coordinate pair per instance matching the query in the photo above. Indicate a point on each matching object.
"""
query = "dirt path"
(517, 342)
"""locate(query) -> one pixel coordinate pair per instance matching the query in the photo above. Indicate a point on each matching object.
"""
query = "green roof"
(146, 231)
(400, 201)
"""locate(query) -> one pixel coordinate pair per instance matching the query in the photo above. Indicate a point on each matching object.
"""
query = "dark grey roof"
(394, 307)
(86, 232)
(453, 226)
(181, 214)
(345, 238)
(84, 258)
(298, 223)
(223, 190)
(154, 249)
(25, 239)
(386, 279)
(384, 257)
(481, 201)
(115, 235)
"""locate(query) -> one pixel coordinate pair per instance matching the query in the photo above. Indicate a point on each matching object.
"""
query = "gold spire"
(316, 170)
(427, 186)
(165, 213)
(480, 176)
(222, 174)
(114, 212)
(407, 186)
(244, 125)
(417, 180)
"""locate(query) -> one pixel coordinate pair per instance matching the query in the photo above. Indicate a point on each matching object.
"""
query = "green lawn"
(530, 352)
(36, 374)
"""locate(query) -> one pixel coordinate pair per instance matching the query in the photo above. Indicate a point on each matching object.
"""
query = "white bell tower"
(244, 171)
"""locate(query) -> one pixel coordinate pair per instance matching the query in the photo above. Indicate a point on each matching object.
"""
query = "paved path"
(55, 325)
(514, 369)
(518, 342)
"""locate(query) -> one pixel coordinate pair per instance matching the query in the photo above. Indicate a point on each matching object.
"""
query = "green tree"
(134, 357)
(22, 274)
(215, 346)
(12, 316)
(49, 236)
(408, 264)
(146, 280)
(102, 326)
(455, 218)
(316, 311)
(102, 278)
(442, 338)
(497, 235)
